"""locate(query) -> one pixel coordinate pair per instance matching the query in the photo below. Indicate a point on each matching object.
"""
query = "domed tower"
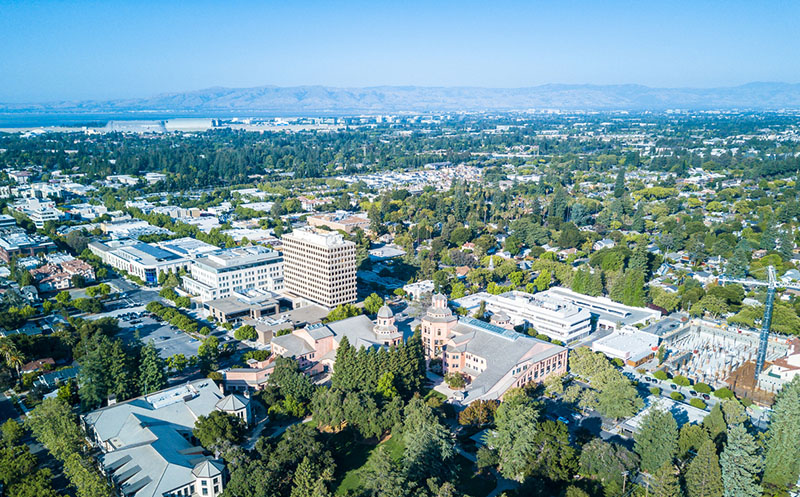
(385, 322)
(502, 320)
(437, 325)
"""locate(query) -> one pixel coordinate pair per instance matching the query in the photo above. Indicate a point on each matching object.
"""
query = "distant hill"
(393, 99)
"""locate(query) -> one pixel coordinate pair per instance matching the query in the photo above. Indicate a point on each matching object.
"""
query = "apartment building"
(219, 274)
(320, 266)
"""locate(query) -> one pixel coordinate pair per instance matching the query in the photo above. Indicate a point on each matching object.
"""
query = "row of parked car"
(656, 381)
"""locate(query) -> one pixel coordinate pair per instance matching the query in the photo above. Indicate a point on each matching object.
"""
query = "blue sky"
(53, 50)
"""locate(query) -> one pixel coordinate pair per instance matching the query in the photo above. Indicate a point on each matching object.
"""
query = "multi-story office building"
(559, 320)
(219, 274)
(139, 259)
(320, 266)
(38, 211)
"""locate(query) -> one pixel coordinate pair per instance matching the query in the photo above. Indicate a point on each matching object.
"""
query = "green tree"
(515, 435)
(343, 311)
(386, 386)
(152, 370)
(656, 442)
(691, 437)
(782, 461)
(704, 476)
(429, 446)
(85, 478)
(373, 303)
(553, 457)
(607, 463)
(54, 425)
(715, 423)
(122, 372)
(12, 432)
(217, 428)
(619, 183)
(542, 282)
(245, 332)
(384, 478)
(665, 482)
(740, 462)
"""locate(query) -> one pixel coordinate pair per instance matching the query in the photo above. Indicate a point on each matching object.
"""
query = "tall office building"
(319, 266)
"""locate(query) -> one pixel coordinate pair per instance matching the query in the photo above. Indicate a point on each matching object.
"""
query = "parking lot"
(167, 339)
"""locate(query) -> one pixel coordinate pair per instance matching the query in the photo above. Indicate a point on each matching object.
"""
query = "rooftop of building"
(322, 238)
(150, 453)
(502, 349)
(232, 258)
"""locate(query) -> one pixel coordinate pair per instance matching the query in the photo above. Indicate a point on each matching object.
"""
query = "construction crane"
(769, 304)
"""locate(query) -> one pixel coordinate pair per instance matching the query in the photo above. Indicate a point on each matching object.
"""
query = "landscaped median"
(177, 318)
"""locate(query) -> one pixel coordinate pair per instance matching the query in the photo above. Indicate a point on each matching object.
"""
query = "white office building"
(39, 212)
(320, 266)
(218, 274)
(557, 319)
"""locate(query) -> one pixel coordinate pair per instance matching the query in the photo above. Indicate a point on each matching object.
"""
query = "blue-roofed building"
(143, 260)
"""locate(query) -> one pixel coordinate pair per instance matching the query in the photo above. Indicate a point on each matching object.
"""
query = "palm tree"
(11, 354)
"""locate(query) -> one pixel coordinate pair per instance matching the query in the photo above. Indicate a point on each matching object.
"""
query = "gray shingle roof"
(147, 438)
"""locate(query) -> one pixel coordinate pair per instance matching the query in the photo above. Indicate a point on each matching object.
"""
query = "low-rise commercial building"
(343, 221)
(146, 261)
(550, 316)
(630, 345)
(15, 242)
(243, 305)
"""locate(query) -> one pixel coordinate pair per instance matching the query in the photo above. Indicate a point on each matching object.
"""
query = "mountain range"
(395, 99)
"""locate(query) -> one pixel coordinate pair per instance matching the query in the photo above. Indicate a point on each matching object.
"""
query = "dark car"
(674, 386)
(706, 396)
(692, 393)
(647, 378)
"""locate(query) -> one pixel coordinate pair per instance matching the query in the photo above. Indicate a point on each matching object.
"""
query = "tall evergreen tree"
(122, 372)
(429, 447)
(342, 378)
(704, 476)
(385, 478)
(657, 440)
(94, 380)
(782, 462)
(152, 370)
(740, 463)
(665, 482)
(715, 424)
(619, 184)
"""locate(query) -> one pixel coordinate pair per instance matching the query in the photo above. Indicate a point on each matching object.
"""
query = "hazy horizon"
(89, 50)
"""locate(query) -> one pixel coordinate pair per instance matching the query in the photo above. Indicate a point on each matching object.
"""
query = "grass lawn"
(356, 456)
(433, 393)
